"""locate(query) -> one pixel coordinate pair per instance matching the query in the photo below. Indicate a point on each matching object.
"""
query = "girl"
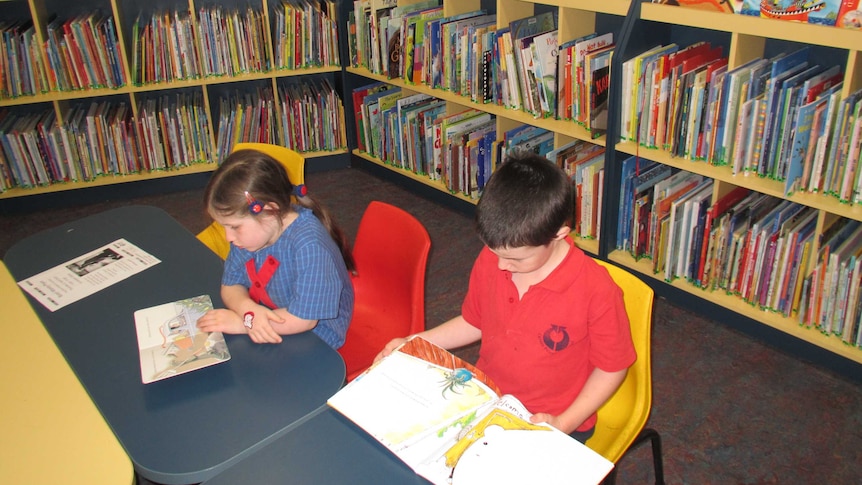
(288, 266)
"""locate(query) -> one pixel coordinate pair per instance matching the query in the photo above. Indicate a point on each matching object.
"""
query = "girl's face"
(250, 232)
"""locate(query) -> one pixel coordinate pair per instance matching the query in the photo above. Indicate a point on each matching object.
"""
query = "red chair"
(391, 253)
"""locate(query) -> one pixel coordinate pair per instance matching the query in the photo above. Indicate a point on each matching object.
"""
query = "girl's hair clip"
(254, 205)
(300, 190)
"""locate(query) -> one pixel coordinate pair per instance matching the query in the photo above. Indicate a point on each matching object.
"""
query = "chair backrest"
(391, 254)
(625, 414)
(294, 163)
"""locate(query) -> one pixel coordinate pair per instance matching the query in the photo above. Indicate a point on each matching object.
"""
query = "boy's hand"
(549, 419)
(392, 345)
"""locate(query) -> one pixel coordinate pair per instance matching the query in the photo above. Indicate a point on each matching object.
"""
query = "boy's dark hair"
(525, 202)
(265, 180)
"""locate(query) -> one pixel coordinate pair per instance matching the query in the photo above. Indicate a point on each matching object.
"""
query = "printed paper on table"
(82, 276)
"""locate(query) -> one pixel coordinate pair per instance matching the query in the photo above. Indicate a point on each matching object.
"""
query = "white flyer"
(82, 276)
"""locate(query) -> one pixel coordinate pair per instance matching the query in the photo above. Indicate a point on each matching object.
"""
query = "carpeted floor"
(730, 409)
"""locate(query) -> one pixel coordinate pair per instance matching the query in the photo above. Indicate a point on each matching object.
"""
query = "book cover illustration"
(446, 420)
(170, 343)
(822, 12)
(849, 15)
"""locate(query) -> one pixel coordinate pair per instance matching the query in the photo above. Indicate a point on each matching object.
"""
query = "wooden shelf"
(822, 35)
(787, 325)
(108, 180)
(770, 187)
(612, 7)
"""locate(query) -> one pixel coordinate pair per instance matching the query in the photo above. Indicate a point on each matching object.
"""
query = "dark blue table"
(188, 428)
(326, 448)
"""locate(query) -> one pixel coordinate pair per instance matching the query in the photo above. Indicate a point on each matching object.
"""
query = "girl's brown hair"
(252, 174)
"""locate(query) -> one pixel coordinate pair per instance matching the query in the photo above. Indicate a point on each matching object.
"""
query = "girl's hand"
(261, 331)
(221, 320)
(227, 321)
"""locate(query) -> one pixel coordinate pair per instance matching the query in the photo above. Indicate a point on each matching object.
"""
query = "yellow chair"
(213, 236)
(622, 419)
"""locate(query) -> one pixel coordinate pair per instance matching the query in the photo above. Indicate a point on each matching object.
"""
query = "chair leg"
(657, 461)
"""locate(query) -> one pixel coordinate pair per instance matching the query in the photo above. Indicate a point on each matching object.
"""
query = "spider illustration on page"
(455, 380)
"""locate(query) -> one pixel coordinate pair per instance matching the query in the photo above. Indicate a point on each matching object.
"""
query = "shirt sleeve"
(471, 308)
(235, 272)
(611, 346)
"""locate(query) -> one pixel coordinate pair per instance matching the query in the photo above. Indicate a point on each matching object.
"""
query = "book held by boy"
(170, 343)
(447, 420)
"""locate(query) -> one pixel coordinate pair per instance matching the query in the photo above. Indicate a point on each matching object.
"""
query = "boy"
(552, 322)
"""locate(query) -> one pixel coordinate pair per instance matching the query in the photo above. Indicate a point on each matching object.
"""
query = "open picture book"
(170, 343)
(445, 419)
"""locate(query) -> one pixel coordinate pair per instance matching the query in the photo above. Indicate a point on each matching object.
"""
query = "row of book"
(169, 131)
(304, 116)
(584, 163)
(761, 249)
(102, 138)
(461, 149)
(77, 53)
(782, 118)
(173, 45)
(521, 66)
(415, 132)
(228, 42)
(83, 52)
(306, 34)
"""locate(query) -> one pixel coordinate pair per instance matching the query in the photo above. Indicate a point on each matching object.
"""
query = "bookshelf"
(636, 27)
(574, 19)
(746, 38)
(263, 61)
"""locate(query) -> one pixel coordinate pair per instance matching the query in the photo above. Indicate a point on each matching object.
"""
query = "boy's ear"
(562, 232)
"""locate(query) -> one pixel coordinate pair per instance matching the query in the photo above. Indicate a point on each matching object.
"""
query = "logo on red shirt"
(556, 338)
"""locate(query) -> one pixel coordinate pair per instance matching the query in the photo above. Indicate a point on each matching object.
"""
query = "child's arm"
(599, 387)
(454, 333)
(289, 323)
(231, 320)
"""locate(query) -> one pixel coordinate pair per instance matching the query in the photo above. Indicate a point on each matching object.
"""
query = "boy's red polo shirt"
(542, 348)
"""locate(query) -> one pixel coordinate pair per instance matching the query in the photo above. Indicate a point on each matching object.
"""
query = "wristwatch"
(248, 319)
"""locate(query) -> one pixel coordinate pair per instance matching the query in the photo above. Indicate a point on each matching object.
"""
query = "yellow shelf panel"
(770, 187)
(754, 26)
(787, 325)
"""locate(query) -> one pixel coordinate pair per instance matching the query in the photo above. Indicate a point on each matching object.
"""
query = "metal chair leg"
(657, 461)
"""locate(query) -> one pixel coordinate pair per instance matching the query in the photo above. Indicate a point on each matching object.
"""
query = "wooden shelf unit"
(748, 38)
(60, 101)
